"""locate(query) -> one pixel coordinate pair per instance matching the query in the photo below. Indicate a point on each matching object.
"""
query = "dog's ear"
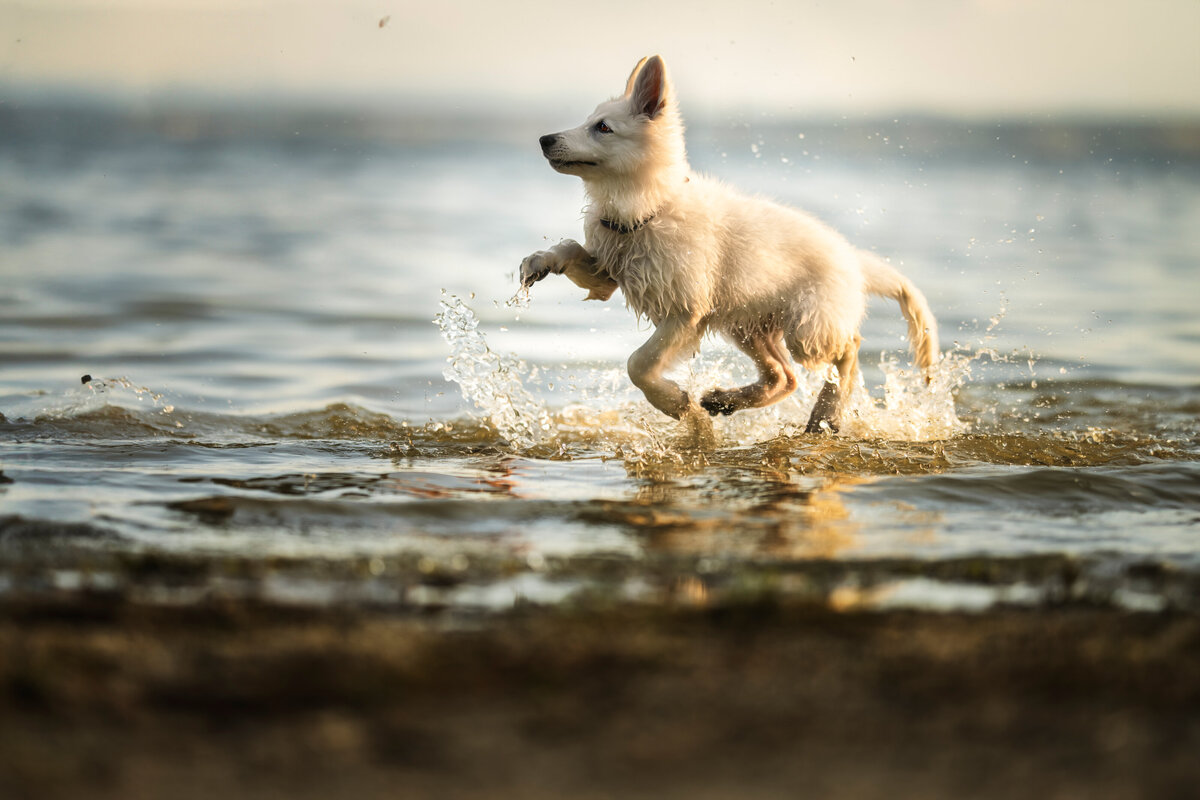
(649, 93)
(633, 76)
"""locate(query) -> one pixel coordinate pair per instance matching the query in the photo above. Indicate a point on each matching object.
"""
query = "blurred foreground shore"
(103, 696)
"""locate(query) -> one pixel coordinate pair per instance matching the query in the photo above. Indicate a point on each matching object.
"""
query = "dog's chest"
(624, 255)
(652, 269)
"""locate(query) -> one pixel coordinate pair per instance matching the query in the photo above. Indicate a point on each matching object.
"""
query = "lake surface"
(306, 376)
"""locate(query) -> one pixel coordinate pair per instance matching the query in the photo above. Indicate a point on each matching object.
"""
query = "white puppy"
(694, 256)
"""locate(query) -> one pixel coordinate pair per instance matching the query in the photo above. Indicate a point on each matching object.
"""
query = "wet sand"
(101, 696)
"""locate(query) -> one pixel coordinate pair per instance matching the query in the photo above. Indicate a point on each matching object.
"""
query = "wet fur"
(693, 256)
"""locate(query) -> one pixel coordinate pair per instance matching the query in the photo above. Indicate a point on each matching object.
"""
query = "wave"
(1056, 491)
(884, 438)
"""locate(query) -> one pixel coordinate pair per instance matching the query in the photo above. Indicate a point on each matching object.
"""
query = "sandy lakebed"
(713, 687)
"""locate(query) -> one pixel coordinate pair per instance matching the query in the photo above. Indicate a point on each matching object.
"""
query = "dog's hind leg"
(833, 396)
(672, 339)
(775, 377)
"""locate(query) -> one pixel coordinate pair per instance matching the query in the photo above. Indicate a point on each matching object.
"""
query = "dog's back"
(738, 263)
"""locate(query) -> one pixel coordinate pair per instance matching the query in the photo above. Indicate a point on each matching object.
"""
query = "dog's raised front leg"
(569, 258)
(775, 378)
(672, 339)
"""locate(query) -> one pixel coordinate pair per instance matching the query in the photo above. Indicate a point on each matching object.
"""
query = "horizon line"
(465, 105)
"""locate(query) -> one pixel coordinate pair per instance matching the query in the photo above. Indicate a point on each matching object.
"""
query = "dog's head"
(625, 136)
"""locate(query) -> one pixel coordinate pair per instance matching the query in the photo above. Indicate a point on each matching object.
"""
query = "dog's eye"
(602, 127)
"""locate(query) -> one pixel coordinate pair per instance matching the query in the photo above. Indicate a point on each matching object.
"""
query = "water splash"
(916, 407)
(493, 382)
(100, 387)
(519, 301)
(91, 395)
(612, 421)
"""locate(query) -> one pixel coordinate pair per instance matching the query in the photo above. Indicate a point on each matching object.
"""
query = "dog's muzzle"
(551, 149)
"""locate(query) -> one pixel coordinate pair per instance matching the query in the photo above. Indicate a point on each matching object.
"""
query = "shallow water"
(307, 380)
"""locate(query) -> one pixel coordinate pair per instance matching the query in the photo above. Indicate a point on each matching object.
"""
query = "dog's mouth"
(561, 164)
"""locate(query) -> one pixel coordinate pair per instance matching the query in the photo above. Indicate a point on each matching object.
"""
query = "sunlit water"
(303, 352)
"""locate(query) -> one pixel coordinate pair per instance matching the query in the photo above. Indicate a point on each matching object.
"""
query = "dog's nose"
(548, 141)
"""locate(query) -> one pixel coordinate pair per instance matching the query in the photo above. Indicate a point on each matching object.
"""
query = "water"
(309, 383)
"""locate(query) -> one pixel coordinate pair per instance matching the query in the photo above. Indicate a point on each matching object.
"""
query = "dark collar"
(617, 227)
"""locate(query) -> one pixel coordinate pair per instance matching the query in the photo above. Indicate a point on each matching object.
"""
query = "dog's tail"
(884, 280)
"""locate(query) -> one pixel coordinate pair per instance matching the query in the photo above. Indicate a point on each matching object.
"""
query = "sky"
(951, 57)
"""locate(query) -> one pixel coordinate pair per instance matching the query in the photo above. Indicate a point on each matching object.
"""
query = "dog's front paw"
(716, 402)
(537, 266)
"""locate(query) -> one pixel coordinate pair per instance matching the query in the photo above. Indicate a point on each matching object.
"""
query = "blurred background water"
(253, 291)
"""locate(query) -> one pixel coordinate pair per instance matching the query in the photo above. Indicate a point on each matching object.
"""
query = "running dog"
(693, 256)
